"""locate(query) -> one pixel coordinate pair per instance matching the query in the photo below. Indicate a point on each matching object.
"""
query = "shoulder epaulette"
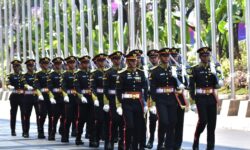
(153, 67)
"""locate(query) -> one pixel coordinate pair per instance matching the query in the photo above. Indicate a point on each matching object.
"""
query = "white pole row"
(248, 42)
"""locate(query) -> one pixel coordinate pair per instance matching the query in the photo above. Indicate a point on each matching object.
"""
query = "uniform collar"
(204, 65)
(100, 69)
(130, 70)
(116, 68)
(164, 66)
(85, 70)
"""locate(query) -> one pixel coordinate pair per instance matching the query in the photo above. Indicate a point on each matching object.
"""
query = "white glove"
(212, 67)
(29, 87)
(66, 99)
(221, 83)
(106, 108)
(174, 73)
(96, 103)
(1, 89)
(84, 100)
(181, 87)
(10, 87)
(119, 111)
(153, 110)
(40, 97)
(145, 109)
(53, 101)
(193, 107)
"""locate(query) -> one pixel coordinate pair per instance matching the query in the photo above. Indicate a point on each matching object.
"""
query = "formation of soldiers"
(113, 103)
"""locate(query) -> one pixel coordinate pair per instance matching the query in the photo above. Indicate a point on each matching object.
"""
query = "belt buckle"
(207, 91)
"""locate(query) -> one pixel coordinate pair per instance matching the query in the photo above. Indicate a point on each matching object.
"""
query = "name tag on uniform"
(138, 79)
(162, 74)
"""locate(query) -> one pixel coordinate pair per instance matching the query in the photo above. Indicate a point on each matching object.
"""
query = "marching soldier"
(15, 83)
(180, 94)
(101, 117)
(203, 83)
(85, 110)
(140, 64)
(72, 97)
(162, 90)
(115, 121)
(131, 88)
(154, 60)
(30, 96)
(42, 80)
(57, 106)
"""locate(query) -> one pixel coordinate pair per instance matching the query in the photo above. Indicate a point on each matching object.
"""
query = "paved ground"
(226, 139)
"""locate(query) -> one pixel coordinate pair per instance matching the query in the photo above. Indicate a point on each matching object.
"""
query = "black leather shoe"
(13, 133)
(41, 136)
(93, 144)
(65, 140)
(51, 138)
(150, 144)
(79, 142)
(161, 147)
(26, 135)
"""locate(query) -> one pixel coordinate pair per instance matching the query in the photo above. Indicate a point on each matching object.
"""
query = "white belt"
(57, 90)
(71, 92)
(130, 96)
(44, 90)
(29, 92)
(99, 90)
(86, 91)
(165, 90)
(205, 91)
(18, 91)
(112, 92)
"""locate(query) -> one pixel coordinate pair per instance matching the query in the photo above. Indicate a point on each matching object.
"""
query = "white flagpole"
(1, 45)
(29, 27)
(74, 27)
(36, 34)
(6, 36)
(183, 30)
(110, 23)
(198, 28)
(120, 20)
(213, 27)
(24, 31)
(58, 28)
(248, 42)
(65, 28)
(42, 28)
(11, 31)
(156, 31)
(91, 53)
(100, 25)
(169, 24)
(82, 19)
(17, 27)
(51, 29)
(132, 24)
(144, 29)
(231, 46)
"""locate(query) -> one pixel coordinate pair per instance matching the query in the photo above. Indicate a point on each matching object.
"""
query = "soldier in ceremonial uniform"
(203, 84)
(140, 64)
(85, 110)
(162, 90)
(182, 79)
(30, 96)
(131, 88)
(72, 97)
(154, 60)
(15, 83)
(115, 121)
(57, 106)
(101, 117)
(41, 81)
